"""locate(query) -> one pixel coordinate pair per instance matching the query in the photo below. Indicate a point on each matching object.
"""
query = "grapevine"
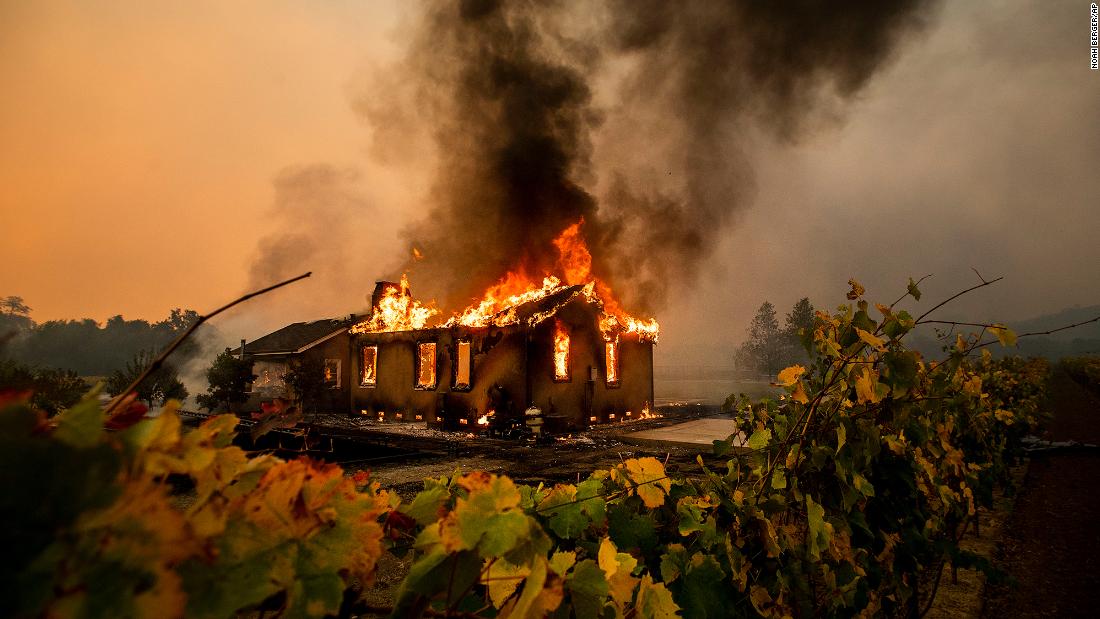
(841, 498)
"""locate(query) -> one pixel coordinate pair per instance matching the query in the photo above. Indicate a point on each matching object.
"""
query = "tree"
(14, 306)
(763, 352)
(53, 390)
(799, 328)
(228, 379)
(306, 380)
(158, 388)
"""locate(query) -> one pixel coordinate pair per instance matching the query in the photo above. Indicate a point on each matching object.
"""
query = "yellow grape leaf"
(866, 391)
(871, 339)
(799, 394)
(973, 386)
(790, 376)
(617, 567)
(561, 561)
(1004, 416)
(655, 600)
(502, 578)
(542, 594)
(760, 599)
(856, 291)
(1006, 336)
(650, 481)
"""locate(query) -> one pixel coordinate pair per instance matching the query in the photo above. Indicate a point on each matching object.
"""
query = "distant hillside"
(1068, 316)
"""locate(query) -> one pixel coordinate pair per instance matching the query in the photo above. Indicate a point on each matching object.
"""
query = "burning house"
(554, 348)
(563, 348)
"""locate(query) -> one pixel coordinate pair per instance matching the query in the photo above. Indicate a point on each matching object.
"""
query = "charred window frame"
(427, 366)
(368, 366)
(464, 366)
(332, 373)
(612, 357)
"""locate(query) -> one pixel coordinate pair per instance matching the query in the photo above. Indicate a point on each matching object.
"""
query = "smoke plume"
(640, 119)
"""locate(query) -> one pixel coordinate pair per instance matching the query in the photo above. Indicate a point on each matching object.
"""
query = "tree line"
(48, 359)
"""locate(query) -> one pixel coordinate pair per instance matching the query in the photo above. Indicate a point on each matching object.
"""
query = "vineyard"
(851, 495)
(1084, 370)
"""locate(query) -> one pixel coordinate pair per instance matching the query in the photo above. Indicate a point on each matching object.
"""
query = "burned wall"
(586, 397)
(497, 358)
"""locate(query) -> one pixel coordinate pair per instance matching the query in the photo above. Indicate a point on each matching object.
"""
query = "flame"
(397, 311)
(484, 419)
(425, 378)
(611, 349)
(561, 351)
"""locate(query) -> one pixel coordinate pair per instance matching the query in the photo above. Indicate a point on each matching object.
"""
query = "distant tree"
(764, 351)
(158, 388)
(14, 306)
(799, 321)
(306, 380)
(228, 379)
(52, 390)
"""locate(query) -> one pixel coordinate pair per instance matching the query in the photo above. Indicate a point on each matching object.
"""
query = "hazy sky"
(148, 151)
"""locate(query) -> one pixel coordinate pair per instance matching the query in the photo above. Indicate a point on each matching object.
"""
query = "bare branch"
(159, 361)
(1032, 333)
(957, 295)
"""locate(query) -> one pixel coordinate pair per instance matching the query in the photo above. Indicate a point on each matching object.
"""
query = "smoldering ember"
(549, 308)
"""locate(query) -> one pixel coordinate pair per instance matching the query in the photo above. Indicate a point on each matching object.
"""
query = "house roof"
(546, 306)
(295, 338)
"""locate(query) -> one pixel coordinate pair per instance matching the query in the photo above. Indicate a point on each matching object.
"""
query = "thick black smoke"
(508, 92)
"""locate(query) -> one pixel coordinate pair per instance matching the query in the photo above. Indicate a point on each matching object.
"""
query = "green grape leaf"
(759, 439)
(81, 425)
(588, 589)
(913, 290)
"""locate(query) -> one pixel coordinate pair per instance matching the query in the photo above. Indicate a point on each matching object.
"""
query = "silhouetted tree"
(228, 378)
(763, 352)
(306, 380)
(14, 306)
(799, 321)
(158, 388)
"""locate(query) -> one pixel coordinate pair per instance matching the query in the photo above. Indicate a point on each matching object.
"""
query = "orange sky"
(138, 141)
(139, 144)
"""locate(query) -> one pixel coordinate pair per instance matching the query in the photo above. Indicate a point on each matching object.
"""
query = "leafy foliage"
(227, 379)
(1085, 370)
(91, 528)
(839, 499)
(51, 389)
(160, 387)
(306, 380)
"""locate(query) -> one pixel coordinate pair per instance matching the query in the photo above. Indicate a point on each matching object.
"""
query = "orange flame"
(611, 358)
(397, 311)
(561, 351)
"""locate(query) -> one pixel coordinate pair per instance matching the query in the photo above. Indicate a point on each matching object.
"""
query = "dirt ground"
(562, 460)
(1051, 542)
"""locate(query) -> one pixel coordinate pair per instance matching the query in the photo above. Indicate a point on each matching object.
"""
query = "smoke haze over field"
(721, 154)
